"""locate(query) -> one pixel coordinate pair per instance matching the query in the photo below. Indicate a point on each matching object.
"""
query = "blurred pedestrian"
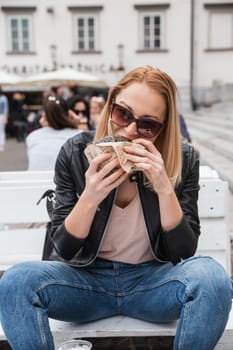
(4, 109)
(63, 91)
(96, 107)
(184, 130)
(44, 144)
(80, 106)
(19, 116)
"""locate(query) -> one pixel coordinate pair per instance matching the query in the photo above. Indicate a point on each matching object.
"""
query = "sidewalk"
(211, 130)
(14, 157)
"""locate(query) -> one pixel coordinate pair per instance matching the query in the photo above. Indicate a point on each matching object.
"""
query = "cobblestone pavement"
(211, 130)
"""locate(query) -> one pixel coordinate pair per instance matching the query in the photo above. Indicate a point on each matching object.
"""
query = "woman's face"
(94, 108)
(142, 102)
(43, 120)
(80, 109)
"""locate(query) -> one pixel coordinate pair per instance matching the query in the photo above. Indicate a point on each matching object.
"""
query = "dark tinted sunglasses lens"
(121, 116)
(77, 111)
(148, 128)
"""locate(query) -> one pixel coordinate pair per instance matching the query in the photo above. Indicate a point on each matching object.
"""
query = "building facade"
(192, 40)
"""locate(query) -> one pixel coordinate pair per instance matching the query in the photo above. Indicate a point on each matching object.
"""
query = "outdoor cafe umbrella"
(65, 76)
(8, 78)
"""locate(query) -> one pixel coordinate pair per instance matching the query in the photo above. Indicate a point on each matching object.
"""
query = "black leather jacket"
(173, 245)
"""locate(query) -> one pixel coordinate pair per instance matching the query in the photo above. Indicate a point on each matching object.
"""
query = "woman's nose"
(131, 129)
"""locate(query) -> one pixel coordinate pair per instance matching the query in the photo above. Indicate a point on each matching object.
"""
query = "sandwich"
(115, 146)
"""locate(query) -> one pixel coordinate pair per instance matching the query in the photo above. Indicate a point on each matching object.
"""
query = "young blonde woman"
(123, 243)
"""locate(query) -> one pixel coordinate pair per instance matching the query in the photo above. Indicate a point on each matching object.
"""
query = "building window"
(20, 33)
(152, 27)
(86, 32)
(220, 26)
(152, 33)
(86, 37)
(19, 29)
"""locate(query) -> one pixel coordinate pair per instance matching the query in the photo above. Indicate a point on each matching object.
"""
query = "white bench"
(22, 222)
(22, 231)
(32, 175)
(26, 178)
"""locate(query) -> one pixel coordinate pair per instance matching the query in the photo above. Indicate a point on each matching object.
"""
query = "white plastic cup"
(77, 344)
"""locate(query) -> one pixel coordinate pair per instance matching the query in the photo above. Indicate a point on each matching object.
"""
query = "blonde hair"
(99, 100)
(168, 141)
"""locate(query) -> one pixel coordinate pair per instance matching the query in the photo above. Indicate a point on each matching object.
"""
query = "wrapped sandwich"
(115, 146)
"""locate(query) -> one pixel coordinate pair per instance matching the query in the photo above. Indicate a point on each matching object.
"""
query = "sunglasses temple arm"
(112, 128)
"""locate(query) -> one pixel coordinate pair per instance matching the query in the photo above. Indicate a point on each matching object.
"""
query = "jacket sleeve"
(65, 244)
(181, 241)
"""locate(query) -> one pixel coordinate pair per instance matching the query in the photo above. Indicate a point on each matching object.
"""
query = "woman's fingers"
(149, 146)
(96, 163)
(114, 179)
(103, 175)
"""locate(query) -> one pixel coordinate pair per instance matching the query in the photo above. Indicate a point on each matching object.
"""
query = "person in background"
(96, 107)
(63, 92)
(123, 243)
(81, 108)
(184, 130)
(19, 117)
(4, 110)
(43, 144)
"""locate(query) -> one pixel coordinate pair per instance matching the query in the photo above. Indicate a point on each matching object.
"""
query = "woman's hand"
(102, 179)
(149, 161)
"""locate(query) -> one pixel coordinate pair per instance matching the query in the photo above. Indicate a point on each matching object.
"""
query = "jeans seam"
(182, 329)
(41, 327)
(155, 285)
(187, 308)
(73, 285)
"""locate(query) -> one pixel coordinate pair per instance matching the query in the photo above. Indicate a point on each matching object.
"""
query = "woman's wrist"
(87, 199)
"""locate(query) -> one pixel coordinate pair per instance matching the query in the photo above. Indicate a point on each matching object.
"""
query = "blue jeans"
(197, 291)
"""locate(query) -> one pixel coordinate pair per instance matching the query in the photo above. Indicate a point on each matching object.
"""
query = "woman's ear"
(43, 120)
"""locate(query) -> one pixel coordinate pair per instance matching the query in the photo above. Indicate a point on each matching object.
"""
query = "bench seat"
(121, 326)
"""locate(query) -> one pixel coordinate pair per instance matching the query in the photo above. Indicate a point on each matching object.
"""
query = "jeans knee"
(208, 277)
(16, 279)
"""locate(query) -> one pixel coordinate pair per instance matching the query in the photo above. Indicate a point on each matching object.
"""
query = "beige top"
(126, 239)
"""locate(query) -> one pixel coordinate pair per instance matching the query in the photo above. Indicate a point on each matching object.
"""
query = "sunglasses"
(146, 127)
(80, 111)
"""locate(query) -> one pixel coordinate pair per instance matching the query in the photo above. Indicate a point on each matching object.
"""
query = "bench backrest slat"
(26, 175)
(19, 205)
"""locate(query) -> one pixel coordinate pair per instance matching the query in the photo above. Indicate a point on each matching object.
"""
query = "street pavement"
(211, 130)
(14, 157)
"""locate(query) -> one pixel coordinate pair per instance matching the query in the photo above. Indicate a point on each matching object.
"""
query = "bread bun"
(116, 148)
